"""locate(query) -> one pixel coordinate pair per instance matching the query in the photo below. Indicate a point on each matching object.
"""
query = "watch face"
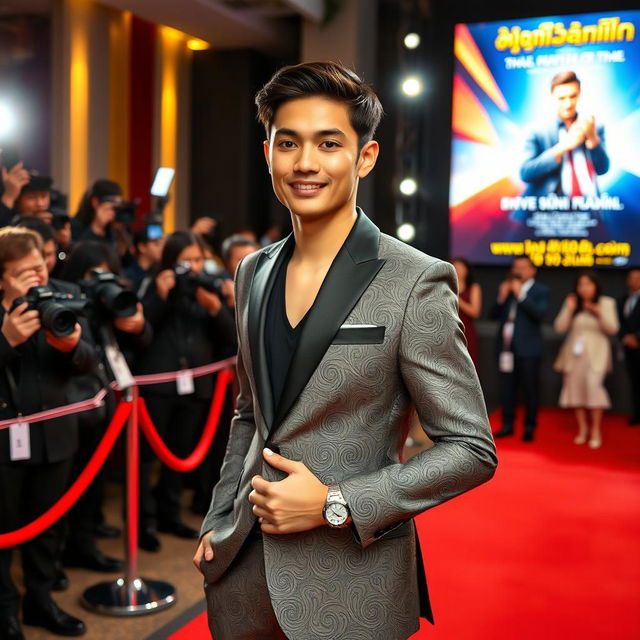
(336, 514)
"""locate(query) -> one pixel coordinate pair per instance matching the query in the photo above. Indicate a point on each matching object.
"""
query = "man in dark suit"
(342, 331)
(566, 156)
(36, 368)
(629, 314)
(520, 307)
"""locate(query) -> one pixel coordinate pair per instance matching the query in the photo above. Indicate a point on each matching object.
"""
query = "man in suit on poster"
(342, 330)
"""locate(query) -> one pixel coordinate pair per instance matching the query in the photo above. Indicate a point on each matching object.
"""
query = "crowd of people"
(178, 315)
(166, 304)
(588, 319)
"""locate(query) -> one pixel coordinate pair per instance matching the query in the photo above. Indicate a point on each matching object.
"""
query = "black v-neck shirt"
(281, 339)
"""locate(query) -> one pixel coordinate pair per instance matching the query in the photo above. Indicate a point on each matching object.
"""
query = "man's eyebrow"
(324, 132)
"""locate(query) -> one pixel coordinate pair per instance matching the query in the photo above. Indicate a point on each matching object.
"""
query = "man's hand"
(165, 281)
(228, 291)
(590, 131)
(14, 179)
(631, 341)
(204, 226)
(19, 325)
(209, 300)
(133, 324)
(66, 344)
(516, 287)
(204, 550)
(291, 505)
(504, 291)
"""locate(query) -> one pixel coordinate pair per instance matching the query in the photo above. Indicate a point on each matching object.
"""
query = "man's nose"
(307, 161)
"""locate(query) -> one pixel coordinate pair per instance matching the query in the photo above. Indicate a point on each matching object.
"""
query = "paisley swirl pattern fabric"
(347, 426)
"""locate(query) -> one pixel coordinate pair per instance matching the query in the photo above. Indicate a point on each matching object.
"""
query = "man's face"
(152, 249)
(523, 269)
(23, 273)
(31, 203)
(313, 157)
(633, 280)
(566, 97)
(236, 254)
(50, 255)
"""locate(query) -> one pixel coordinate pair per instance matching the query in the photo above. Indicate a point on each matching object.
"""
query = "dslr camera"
(57, 310)
(187, 282)
(107, 296)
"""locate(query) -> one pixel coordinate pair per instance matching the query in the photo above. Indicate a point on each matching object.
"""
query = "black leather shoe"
(505, 431)
(148, 540)
(52, 618)
(10, 629)
(528, 436)
(107, 531)
(94, 560)
(60, 582)
(179, 529)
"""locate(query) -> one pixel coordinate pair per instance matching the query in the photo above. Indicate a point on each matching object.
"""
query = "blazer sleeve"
(536, 304)
(241, 433)
(538, 161)
(599, 155)
(442, 382)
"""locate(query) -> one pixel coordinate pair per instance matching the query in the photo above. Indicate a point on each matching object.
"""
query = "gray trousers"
(239, 604)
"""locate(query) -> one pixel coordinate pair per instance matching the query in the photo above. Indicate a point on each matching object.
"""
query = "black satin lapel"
(344, 285)
(261, 285)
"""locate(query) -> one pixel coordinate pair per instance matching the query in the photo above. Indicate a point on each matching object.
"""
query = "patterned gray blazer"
(383, 336)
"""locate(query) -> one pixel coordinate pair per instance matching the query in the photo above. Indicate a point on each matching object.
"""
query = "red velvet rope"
(54, 513)
(197, 455)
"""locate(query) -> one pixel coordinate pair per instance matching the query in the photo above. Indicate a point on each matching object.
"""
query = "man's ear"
(267, 155)
(368, 158)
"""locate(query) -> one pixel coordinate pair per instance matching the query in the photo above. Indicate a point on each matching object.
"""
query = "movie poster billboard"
(546, 141)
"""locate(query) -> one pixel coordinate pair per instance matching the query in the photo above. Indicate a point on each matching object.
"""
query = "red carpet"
(548, 549)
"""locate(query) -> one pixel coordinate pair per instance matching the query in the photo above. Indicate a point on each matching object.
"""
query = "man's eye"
(330, 144)
(286, 144)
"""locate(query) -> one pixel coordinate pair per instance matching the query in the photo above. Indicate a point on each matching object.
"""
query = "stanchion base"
(136, 598)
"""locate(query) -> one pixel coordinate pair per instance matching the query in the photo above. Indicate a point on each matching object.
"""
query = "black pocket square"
(359, 334)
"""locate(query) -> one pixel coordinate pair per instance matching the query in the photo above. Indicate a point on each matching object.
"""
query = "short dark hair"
(88, 255)
(39, 226)
(236, 240)
(564, 77)
(99, 189)
(327, 79)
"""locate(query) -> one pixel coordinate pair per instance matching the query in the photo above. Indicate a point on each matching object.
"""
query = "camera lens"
(121, 302)
(57, 318)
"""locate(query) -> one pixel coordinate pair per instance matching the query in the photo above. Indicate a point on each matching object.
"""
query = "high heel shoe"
(595, 443)
(581, 438)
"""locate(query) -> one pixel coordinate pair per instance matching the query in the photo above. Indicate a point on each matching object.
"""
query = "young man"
(566, 156)
(342, 330)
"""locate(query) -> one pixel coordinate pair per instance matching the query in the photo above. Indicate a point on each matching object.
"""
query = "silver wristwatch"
(336, 511)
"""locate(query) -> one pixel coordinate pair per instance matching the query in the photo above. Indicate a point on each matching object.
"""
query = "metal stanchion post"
(131, 595)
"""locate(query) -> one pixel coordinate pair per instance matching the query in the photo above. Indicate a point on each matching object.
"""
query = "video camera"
(57, 310)
(187, 282)
(108, 296)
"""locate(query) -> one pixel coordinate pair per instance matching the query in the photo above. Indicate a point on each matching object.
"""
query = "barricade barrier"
(136, 412)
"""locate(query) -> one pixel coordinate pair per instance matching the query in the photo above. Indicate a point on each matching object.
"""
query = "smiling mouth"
(307, 186)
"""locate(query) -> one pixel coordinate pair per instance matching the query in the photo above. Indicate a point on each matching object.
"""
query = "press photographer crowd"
(78, 291)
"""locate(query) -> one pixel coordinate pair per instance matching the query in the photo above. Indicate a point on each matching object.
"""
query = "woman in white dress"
(588, 318)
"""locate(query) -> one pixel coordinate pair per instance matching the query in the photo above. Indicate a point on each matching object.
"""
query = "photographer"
(24, 195)
(191, 327)
(132, 334)
(141, 264)
(36, 368)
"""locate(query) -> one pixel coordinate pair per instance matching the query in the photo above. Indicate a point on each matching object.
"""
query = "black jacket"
(41, 377)
(527, 335)
(632, 323)
(185, 335)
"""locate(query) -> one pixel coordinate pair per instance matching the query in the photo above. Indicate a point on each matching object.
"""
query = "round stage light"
(406, 232)
(412, 40)
(196, 44)
(412, 86)
(408, 186)
(7, 120)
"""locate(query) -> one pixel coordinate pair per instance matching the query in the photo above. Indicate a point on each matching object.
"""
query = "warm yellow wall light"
(195, 44)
